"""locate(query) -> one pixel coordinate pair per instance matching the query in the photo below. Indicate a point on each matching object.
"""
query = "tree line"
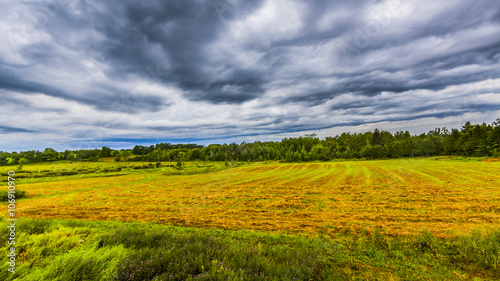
(471, 140)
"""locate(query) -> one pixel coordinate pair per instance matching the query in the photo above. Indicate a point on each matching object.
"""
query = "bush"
(426, 242)
(4, 195)
(178, 166)
(34, 226)
(169, 254)
(496, 153)
(143, 166)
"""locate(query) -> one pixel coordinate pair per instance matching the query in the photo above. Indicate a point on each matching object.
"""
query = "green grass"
(4, 195)
(87, 250)
(82, 250)
(66, 170)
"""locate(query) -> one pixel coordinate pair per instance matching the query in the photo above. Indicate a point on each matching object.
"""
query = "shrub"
(496, 153)
(178, 166)
(4, 195)
(34, 226)
(167, 254)
(426, 242)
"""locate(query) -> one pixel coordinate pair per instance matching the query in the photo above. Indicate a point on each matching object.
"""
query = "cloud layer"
(93, 73)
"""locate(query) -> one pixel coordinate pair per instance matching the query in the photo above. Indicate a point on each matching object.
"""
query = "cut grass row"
(399, 196)
(63, 170)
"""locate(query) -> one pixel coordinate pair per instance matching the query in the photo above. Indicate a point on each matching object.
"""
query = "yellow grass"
(400, 197)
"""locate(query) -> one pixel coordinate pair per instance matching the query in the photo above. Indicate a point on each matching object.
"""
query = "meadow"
(404, 219)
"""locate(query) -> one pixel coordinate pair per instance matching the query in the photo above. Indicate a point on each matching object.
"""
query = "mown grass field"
(399, 197)
(408, 219)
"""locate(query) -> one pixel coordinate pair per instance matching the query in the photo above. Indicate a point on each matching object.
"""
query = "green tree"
(3, 159)
(181, 156)
(126, 154)
(494, 136)
(320, 152)
(397, 149)
(106, 151)
(376, 138)
(23, 161)
(50, 155)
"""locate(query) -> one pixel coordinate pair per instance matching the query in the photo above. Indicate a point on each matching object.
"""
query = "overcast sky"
(119, 73)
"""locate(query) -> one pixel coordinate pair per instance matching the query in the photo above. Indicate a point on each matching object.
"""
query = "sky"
(87, 74)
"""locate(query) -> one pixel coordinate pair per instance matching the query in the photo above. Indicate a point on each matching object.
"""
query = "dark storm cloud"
(8, 130)
(63, 27)
(11, 81)
(250, 67)
(103, 97)
(450, 21)
(165, 42)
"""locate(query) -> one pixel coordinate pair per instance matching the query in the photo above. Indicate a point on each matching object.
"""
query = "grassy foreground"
(81, 250)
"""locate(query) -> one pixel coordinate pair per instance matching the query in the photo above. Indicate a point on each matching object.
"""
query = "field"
(399, 197)
(408, 219)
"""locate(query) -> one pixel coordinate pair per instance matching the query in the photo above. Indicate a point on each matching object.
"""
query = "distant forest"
(472, 140)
